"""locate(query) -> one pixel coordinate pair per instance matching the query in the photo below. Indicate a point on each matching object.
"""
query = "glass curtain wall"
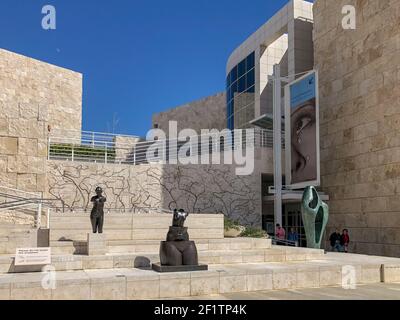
(240, 92)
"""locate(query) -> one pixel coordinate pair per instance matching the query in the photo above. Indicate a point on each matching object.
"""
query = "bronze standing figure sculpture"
(97, 214)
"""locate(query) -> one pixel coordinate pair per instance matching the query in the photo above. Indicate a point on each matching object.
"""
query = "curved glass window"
(240, 92)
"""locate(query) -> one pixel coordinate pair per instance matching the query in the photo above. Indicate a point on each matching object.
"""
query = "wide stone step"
(9, 231)
(131, 284)
(210, 257)
(153, 246)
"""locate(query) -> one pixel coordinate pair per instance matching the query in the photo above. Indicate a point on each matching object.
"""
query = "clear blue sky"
(138, 57)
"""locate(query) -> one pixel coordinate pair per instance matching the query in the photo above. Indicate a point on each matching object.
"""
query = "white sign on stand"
(32, 256)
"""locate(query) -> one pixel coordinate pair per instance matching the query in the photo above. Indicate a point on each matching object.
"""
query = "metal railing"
(117, 149)
(133, 210)
(26, 203)
(284, 242)
(19, 193)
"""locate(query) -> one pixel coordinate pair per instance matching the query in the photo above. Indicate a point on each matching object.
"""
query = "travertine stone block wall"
(124, 148)
(33, 96)
(207, 113)
(360, 120)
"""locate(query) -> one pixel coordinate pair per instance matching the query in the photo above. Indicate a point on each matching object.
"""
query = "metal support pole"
(105, 153)
(277, 149)
(48, 148)
(39, 216)
(48, 218)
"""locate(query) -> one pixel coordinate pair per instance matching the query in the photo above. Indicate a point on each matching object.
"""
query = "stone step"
(133, 234)
(132, 284)
(153, 246)
(210, 257)
(15, 237)
(7, 231)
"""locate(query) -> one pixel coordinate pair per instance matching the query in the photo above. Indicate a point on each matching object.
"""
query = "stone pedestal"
(158, 267)
(96, 244)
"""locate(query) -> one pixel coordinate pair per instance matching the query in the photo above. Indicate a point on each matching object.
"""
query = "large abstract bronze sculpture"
(97, 214)
(178, 253)
(315, 217)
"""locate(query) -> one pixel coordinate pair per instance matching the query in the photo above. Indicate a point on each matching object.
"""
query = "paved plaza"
(380, 291)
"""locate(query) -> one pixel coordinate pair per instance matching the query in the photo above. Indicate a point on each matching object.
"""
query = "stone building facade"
(360, 120)
(34, 97)
(207, 113)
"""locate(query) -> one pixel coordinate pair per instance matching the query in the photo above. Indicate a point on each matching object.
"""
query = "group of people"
(280, 234)
(340, 242)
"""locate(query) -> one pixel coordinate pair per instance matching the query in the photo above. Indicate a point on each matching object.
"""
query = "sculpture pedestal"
(96, 244)
(164, 269)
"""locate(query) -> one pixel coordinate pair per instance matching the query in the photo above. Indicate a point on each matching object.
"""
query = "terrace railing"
(108, 148)
(133, 210)
(26, 204)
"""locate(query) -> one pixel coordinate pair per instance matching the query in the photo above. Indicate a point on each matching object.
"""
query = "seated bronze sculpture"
(178, 253)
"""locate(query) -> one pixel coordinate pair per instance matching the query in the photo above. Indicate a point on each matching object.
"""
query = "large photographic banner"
(302, 132)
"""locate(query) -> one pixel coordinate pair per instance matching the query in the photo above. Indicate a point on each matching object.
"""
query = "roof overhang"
(292, 196)
(266, 122)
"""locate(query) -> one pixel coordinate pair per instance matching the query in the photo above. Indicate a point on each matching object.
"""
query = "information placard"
(32, 256)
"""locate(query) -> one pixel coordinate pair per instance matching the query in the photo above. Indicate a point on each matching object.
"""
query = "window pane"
(234, 89)
(234, 74)
(250, 79)
(242, 84)
(250, 61)
(251, 89)
(242, 68)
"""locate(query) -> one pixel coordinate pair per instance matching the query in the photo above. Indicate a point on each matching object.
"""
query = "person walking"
(280, 234)
(335, 240)
(345, 240)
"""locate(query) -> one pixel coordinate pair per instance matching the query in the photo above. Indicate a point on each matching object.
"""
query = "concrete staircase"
(127, 232)
(132, 283)
(211, 252)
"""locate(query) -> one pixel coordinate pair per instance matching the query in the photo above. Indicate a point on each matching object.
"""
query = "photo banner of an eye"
(302, 150)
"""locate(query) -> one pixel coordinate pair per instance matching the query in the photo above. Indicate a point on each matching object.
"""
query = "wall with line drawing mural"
(196, 188)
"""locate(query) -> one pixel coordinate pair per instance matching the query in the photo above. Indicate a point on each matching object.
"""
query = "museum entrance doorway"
(292, 219)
